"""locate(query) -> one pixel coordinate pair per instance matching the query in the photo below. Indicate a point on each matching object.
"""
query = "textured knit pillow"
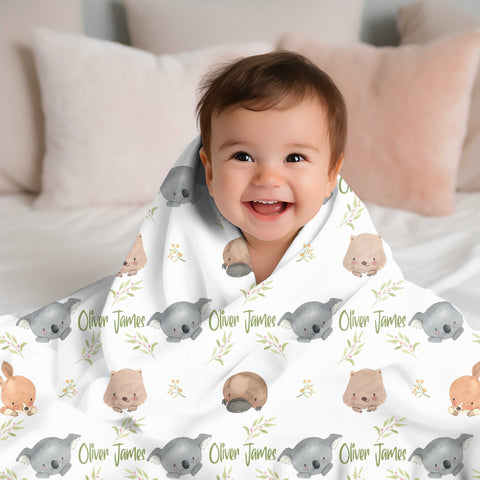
(116, 117)
(408, 109)
(421, 22)
(169, 26)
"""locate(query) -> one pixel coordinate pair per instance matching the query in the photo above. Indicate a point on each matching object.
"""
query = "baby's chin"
(269, 235)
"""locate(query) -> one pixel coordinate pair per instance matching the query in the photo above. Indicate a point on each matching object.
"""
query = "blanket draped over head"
(181, 365)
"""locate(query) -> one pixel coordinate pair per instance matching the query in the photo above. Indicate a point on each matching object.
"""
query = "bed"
(77, 246)
(60, 232)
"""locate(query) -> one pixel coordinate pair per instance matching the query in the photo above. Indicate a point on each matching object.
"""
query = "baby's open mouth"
(268, 207)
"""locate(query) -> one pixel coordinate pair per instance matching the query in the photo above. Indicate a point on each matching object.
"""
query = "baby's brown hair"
(261, 82)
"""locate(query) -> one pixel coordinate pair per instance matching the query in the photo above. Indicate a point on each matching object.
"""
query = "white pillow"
(116, 117)
(169, 26)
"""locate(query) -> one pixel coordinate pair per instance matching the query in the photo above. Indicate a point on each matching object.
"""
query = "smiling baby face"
(268, 171)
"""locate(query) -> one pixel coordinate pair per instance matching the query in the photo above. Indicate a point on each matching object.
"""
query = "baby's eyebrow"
(301, 145)
(231, 143)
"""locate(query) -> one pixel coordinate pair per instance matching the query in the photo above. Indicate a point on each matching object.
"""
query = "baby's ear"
(208, 169)
(332, 176)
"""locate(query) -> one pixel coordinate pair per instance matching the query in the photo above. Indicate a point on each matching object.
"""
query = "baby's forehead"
(300, 123)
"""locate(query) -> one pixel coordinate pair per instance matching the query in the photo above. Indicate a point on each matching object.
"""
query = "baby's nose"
(268, 176)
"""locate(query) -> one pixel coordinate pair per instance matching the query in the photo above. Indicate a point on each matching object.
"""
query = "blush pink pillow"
(408, 109)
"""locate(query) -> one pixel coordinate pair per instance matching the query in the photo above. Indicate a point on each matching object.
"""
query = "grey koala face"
(311, 456)
(179, 186)
(50, 456)
(181, 319)
(51, 321)
(440, 321)
(442, 456)
(311, 320)
(181, 456)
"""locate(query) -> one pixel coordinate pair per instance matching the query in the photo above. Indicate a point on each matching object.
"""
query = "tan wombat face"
(365, 389)
(236, 251)
(125, 389)
(365, 254)
(136, 259)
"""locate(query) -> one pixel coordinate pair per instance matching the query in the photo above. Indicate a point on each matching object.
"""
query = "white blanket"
(181, 365)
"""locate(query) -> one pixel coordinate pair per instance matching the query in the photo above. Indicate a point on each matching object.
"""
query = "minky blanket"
(180, 365)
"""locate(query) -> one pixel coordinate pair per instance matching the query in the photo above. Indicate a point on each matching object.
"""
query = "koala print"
(440, 322)
(136, 259)
(125, 391)
(236, 259)
(181, 456)
(442, 456)
(50, 456)
(465, 394)
(51, 321)
(243, 391)
(311, 456)
(365, 255)
(311, 320)
(179, 186)
(181, 319)
(365, 390)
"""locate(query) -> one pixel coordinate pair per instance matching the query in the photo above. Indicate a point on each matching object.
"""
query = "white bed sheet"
(48, 254)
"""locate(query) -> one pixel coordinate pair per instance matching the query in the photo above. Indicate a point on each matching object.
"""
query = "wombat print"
(136, 259)
(365, 390)
(365, 254)
(51, 321)
(18, 393)
(181, 456)
(125, 390)
(465, 394)
(243, 391)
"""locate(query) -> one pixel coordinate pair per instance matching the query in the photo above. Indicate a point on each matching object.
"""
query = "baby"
(273, 130)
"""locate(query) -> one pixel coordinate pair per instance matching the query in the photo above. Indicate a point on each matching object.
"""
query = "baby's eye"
(241, 156)
(296, 158)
